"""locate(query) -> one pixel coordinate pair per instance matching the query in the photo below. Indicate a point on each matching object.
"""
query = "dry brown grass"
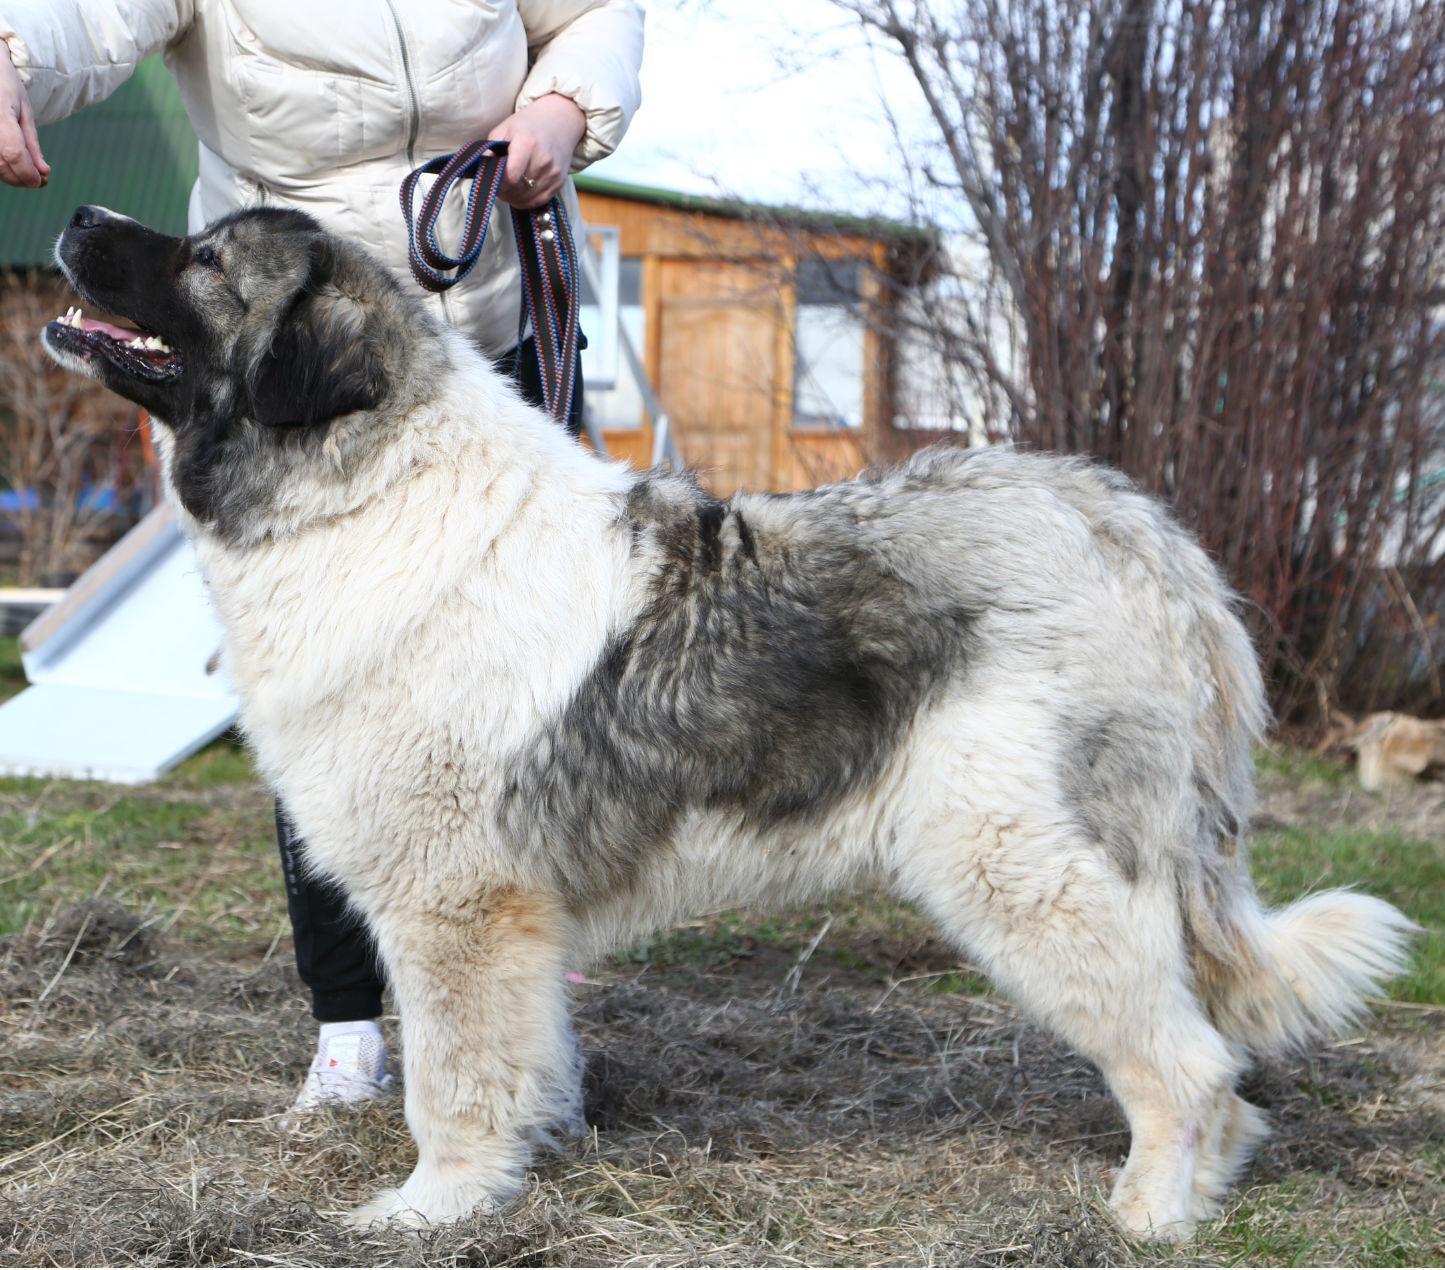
(737, 1122)
(870, 1103)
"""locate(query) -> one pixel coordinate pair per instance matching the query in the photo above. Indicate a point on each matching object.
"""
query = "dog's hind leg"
(1233, 1130)
(1174, 1080)
(1100, 959)
(489, 1060)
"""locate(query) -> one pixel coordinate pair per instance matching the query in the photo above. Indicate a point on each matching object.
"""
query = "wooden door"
(718, 367)
(819, 458)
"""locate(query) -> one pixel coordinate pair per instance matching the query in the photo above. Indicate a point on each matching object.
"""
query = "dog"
(525, 705)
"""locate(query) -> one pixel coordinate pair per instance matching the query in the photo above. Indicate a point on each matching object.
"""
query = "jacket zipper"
(414, 119)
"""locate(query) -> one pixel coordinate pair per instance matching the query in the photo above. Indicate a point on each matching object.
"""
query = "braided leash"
(550, 277)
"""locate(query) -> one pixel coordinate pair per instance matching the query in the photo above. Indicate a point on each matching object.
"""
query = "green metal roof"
(740, 209)
(134, 153)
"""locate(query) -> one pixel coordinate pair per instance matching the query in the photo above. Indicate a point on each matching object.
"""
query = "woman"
(325, 106)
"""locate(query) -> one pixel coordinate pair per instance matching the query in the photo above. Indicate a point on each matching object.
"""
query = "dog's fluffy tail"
(1271, 979)
(1303, 971)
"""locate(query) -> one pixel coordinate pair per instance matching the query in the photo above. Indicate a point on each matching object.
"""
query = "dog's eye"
(207, 258)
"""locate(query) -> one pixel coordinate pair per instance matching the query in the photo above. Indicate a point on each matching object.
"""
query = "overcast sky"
(775, 102)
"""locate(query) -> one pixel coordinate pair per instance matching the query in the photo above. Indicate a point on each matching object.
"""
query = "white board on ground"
(120, 689)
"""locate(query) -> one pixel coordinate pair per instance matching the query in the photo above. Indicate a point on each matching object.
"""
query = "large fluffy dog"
(525, 704)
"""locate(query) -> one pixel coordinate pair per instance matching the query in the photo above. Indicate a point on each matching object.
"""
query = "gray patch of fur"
(1116, 771)
(772, 673)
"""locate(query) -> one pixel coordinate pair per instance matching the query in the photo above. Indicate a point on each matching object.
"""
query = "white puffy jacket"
(325, 105)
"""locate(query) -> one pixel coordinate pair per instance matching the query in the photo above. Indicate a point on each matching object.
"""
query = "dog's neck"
(478, 495)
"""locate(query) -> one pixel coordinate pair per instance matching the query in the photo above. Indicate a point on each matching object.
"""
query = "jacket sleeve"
(72, 53)
(590, 51)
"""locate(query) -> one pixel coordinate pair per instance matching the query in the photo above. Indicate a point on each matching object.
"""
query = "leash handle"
(548, 255)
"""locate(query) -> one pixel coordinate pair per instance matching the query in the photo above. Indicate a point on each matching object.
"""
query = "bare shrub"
(60, 439)
(1212, 248)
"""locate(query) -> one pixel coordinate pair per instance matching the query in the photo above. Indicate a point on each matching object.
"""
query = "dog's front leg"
(489, 1060)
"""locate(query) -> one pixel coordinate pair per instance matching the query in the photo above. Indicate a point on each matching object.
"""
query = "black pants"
(334, 953)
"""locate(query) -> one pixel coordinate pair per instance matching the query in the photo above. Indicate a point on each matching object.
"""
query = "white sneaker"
(349, 1068)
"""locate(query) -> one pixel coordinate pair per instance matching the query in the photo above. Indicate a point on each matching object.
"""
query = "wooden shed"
(764, 332)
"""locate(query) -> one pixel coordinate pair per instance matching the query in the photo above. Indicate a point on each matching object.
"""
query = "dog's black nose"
(86, 217)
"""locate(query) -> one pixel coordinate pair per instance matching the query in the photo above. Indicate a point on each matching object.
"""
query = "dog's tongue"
(117, 333)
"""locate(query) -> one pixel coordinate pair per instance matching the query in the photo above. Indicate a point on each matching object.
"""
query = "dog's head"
(253, 342)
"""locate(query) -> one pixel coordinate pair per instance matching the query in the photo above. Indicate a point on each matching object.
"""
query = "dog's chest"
(387, 673)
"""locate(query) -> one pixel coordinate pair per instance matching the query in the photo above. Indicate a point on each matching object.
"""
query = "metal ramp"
(120, 685)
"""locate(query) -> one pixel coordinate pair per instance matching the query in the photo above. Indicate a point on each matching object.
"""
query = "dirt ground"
(870, 1103)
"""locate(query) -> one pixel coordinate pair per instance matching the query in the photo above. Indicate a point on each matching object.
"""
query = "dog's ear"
(320, 363)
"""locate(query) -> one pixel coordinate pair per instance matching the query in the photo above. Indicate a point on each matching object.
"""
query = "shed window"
(621, 406)
(828, 346)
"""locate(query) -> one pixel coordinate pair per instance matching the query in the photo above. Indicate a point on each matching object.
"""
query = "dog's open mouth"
(136, 352)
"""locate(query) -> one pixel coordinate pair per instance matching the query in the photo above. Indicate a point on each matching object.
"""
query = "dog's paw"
(1159, 1213)
(387, 1209)
(395, 1209)
(422, 1203)
(1136, 1220)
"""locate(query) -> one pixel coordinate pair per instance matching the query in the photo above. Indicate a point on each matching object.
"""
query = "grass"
(12, 674)
(872, 938)
(1408, 872)
(737, 1124)
(1299, 766)
(194, 853)
(1270, 1227)
(197, 848)
(207, 873)
(821, 1086)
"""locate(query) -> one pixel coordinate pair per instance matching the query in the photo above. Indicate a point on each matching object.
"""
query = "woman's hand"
(541, 140)
(21, 162)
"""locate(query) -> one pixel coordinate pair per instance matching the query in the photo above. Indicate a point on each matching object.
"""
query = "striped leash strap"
(550, 275)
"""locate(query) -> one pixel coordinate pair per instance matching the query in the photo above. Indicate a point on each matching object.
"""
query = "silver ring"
(529, 181)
